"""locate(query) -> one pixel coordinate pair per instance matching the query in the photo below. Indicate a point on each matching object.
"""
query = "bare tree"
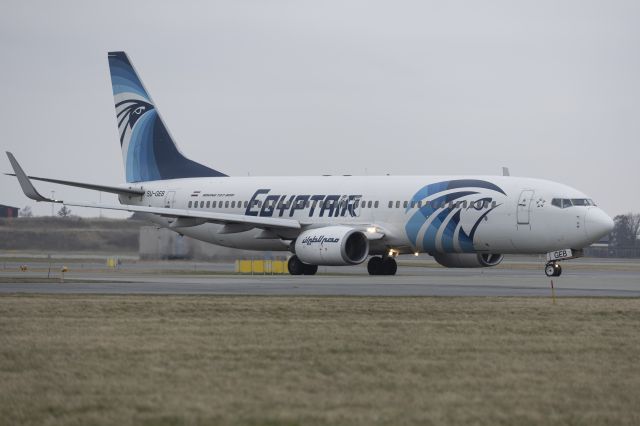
(625, 230)
(26, 212)
(64, 211)
(634, 226)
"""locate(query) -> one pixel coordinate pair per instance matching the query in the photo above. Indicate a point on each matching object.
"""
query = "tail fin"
(148, 150)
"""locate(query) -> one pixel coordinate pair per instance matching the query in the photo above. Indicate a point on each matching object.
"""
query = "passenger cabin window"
(226, 204)
(208, 204)
(405, 204)
(397, 204)
(375, 205)
(213, 204)
(390, 204)
(189, 205)
(369, 204)
(201, 204)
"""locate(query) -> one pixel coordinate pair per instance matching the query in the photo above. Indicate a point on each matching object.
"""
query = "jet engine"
(332, 245)
(468, 260)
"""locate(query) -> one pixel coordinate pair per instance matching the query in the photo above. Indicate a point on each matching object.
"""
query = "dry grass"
(295, 360)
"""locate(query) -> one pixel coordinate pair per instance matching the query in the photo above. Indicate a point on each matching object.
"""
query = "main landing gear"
(553, 269)
(296, 267)
(382, 266)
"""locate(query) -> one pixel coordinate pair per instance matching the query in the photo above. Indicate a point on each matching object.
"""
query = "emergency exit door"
(169, 199)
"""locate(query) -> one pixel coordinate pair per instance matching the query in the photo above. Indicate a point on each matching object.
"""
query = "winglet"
(26, 185)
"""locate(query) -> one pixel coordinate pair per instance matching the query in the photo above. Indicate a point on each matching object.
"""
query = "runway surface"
(595, 280)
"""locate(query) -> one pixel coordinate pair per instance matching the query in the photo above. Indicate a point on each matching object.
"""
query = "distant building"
(8, 211)
(165, 244)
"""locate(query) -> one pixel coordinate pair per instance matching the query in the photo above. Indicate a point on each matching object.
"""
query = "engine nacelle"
(468, 260)
(332, 246)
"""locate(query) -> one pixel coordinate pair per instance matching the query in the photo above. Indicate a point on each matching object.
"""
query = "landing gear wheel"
(374, 266)
(389, 266)
(296, 267)
(309, 269)
(549, 270)
(382, 266)
(558, 270)
(553, 270)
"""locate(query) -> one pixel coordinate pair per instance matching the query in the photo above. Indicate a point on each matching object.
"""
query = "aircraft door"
(355, 207)
(524, 207)
(169, 199)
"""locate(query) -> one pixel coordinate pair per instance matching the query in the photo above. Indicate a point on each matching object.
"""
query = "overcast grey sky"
(549, 88)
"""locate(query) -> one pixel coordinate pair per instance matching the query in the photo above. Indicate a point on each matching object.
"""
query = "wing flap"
(214, 217)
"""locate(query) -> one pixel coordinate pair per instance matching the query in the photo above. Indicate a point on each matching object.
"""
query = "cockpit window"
(563, 203)
(582, 202)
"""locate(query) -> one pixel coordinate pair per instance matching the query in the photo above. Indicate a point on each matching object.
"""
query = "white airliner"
(462, 221)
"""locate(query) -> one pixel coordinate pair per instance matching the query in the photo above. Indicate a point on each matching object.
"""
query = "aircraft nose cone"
(597, 224)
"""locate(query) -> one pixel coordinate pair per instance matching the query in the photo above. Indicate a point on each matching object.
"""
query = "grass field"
(183, 360)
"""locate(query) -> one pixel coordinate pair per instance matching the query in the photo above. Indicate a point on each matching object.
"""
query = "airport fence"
(614, 252)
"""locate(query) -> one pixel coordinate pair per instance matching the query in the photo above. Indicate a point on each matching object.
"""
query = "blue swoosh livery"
(437, 208)
(147, 147)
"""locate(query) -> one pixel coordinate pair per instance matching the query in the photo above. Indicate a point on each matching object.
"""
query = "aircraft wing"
(183, 217)
(103, 188)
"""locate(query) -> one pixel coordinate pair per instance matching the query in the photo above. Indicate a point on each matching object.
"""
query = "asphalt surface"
(619, 279)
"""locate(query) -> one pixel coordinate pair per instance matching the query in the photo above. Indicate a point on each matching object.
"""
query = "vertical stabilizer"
(148, 150)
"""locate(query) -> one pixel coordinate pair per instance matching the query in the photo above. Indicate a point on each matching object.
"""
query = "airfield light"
(371, 229)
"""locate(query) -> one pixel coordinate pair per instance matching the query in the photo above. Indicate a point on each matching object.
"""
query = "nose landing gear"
(553, 269)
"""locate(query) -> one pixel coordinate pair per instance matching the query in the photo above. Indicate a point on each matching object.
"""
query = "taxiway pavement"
(607, 280)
